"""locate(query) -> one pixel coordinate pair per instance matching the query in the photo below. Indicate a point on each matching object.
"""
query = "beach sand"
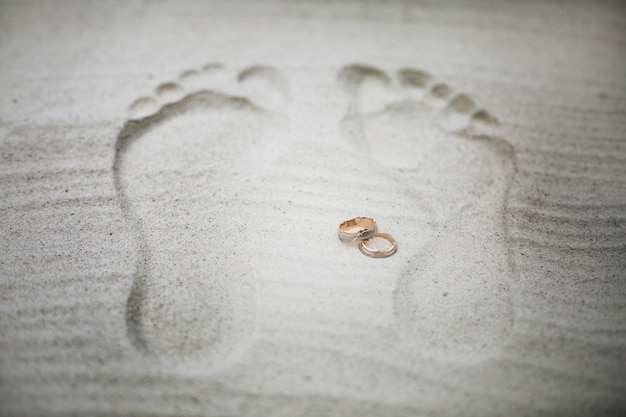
(174, 174)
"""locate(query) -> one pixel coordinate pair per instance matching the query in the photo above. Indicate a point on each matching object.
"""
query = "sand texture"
(173, 176)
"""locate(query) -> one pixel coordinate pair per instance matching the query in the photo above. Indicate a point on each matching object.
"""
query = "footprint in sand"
(452, 298)
(185, 162)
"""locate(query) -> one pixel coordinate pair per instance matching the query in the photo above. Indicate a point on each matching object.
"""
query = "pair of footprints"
(232, 201)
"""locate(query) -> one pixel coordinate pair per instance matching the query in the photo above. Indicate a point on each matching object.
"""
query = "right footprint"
(452, 301)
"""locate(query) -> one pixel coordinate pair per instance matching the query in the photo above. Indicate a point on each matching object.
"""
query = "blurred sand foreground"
(173, 175)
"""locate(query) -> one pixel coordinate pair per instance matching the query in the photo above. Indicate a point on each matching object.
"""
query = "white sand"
(174, 175)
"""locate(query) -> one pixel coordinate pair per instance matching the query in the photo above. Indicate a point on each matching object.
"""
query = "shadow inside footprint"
(452, 300)
(182, 176)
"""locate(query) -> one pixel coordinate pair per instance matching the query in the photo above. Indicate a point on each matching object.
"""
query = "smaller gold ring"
(379, 253)
(356, 230)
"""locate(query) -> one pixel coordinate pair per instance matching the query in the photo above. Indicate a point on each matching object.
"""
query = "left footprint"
(185, 161)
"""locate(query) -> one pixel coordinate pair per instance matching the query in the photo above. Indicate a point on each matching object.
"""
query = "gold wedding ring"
(357, 230)
(379, 253)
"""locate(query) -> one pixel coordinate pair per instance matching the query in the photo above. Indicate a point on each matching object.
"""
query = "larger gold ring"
(379, 253)
(356, 230)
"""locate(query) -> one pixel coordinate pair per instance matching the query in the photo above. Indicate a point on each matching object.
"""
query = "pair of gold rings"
(361, 230)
